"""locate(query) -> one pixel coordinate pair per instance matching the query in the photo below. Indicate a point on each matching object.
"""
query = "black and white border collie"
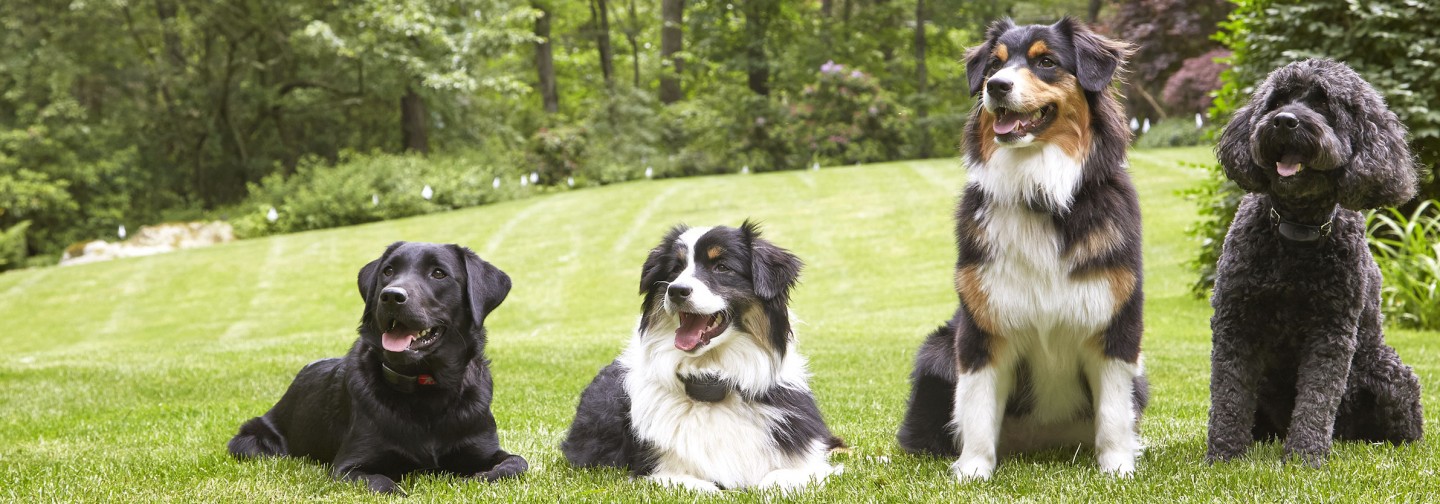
(711, 393)
(1044, 349)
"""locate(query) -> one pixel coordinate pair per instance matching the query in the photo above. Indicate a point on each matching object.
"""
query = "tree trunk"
(412, 122)
(827, 7)
(921, 80)
(1092, 14)
(632, 32)
(757, 66)
(600, 16)
(671, 42)
(545, 61)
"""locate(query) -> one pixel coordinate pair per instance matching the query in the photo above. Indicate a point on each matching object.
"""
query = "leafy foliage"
(1167, 33)
(1175, 132)
(1386, 41)
(845, 118)
(1407, 248)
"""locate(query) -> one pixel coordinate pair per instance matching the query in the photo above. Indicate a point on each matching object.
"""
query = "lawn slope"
(124, 380)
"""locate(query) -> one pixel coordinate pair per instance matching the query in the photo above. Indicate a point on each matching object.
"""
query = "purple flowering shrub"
(844, 118)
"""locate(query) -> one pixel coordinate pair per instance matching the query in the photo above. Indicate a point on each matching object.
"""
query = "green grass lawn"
(124, 380)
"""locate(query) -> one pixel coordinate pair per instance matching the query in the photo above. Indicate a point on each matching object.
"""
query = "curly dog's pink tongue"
(397, 341)
(691, 331)
(1288, 165)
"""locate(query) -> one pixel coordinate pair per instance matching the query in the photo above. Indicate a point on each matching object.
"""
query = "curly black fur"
(1299, 353)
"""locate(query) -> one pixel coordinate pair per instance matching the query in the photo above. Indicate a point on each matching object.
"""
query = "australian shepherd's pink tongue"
(691, 333)
(1006, 121)
(397, 341)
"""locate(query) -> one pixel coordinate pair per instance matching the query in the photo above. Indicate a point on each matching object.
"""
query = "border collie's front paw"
(974, 468)
(683, 482)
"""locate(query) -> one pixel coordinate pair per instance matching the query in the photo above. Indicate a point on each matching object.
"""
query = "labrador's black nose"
(678, 292)
(1287, 120)
(393, 295)
(998, 88)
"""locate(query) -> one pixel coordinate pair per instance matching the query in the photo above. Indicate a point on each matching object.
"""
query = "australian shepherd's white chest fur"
(710, 393)
(1044, 349)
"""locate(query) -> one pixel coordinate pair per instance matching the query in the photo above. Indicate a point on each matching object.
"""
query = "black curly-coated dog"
(1299, 353)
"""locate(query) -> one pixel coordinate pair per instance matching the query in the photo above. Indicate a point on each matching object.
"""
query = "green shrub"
(558, 153)
(1173, 132)
(13, 246)
(624, 132)
(845, 118)
(368, 188)
(1407, 248)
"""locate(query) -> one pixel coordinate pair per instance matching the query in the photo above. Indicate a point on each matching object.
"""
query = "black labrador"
(414, 392)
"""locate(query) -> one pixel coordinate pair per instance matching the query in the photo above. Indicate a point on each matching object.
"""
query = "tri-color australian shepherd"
(710, 394)
(1044, 349)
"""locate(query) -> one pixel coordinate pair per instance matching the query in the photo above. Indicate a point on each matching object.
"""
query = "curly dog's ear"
(1382, 171)
(978, 57)
(1233, 148)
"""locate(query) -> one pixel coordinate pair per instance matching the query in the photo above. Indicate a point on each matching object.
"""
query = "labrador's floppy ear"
(657, 265)
(485, 285)
(978, 57)
(774, 270)
(1097, 58)
(367, 280)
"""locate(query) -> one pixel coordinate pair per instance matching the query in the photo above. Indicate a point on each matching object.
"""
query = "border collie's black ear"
(1097, 58)
(366, 280)
(657, 265)
(978, 57)
(485, 285)
(1233, 148)
(1382, 170)
(774, 270)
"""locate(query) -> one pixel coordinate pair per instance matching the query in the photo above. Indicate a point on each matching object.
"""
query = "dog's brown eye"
(721, 268)
(1046, 62)
(388, 271)
(437, 274)
(994, 63)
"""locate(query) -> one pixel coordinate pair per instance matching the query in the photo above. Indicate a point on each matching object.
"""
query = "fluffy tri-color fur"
(1299, 353)
(1044, 349)
(716, 308)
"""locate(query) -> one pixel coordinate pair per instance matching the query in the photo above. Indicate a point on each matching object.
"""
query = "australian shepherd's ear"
(978, 58)
(773, 269)
(1097, 59)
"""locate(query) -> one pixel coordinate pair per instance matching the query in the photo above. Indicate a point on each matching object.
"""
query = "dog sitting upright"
(710, 393)
(1044, 348)
(1299, 353)
(414, 392)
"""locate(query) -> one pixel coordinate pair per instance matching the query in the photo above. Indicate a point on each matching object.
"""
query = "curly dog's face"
(1316, 133)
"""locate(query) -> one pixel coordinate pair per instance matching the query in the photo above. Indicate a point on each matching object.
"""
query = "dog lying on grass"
(414, 392)
(1299, 354)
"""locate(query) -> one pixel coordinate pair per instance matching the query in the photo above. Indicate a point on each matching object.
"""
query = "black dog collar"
(709, 388)
(404, 382)
(1301, 233)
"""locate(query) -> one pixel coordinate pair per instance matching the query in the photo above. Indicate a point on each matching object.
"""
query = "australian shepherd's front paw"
(1118, 463)
(972, 468)
(790, 480)
(683, 482)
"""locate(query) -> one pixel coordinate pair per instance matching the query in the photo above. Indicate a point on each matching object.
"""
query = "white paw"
(1119, 463)
(789, 480)
(685, 483)
(974, 468)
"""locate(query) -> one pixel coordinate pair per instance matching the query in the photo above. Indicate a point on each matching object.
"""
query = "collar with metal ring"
(1301, 233)
(404, 382)
(708, 388)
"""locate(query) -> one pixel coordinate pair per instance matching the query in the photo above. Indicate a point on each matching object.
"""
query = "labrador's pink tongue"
(1006, 122)
(397, 342)
(687, 337)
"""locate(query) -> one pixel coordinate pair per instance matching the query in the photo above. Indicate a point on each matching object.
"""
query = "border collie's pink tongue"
(1288, 165)
(1006, 121)
(397, 341)
(692, 329)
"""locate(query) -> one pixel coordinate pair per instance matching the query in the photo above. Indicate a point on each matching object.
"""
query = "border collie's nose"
(1287, 120)
(998, 88)
(393, 295)
(679, 291)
